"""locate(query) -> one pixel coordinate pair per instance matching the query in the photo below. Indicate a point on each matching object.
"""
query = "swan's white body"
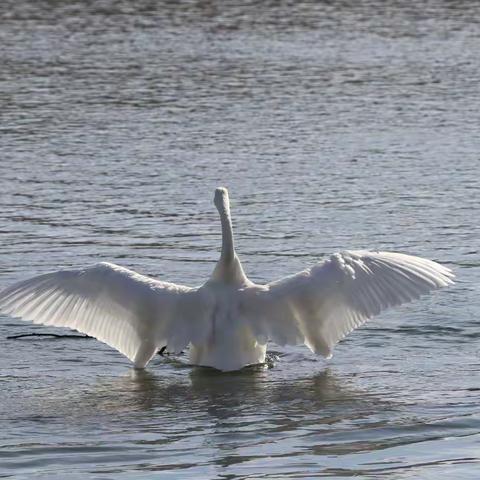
(227, 321)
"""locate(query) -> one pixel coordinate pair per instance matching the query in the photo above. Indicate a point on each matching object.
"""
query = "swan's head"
(221, 200)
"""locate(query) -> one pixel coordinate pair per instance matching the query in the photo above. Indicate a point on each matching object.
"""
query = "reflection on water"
(222, 392)
(238, 421)
(335, 125)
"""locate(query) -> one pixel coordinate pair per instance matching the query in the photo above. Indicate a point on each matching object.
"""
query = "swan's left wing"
(130, 312)
(321, 305)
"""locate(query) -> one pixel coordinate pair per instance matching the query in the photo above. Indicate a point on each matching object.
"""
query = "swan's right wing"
(321, 305)
(130, 312)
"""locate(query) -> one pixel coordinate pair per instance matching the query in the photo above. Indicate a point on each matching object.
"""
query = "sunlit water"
(334, 126)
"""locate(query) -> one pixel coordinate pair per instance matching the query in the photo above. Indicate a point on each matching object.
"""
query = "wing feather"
(132, 313)
(321, 305)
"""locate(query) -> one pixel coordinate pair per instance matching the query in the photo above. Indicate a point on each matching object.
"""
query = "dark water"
(335, 125)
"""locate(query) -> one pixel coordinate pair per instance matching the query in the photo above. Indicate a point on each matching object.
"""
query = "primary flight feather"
(228, 320)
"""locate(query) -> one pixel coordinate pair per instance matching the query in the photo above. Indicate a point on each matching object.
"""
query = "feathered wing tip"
(373, 282)
(130, 312)
(323, 304)
(100, 301)
(435, 274)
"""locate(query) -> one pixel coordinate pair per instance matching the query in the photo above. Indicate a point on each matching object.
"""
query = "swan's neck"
(228, 268)
(228, 250)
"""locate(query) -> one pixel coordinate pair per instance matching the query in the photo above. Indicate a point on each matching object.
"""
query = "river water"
(335, 125)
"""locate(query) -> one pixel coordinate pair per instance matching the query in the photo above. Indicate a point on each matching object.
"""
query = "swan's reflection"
(182, 414)
(246, 393)
(236, 413)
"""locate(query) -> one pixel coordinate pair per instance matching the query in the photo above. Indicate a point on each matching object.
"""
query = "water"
(335, 125)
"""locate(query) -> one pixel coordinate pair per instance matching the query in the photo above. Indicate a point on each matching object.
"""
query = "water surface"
(334, 125)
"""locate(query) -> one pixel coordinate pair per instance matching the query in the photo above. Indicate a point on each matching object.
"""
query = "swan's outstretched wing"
(128, 311)
(321, 305)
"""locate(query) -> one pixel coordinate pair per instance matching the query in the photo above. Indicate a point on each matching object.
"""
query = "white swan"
(228, 320)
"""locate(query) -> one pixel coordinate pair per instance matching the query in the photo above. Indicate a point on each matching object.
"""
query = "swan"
(228, 320)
